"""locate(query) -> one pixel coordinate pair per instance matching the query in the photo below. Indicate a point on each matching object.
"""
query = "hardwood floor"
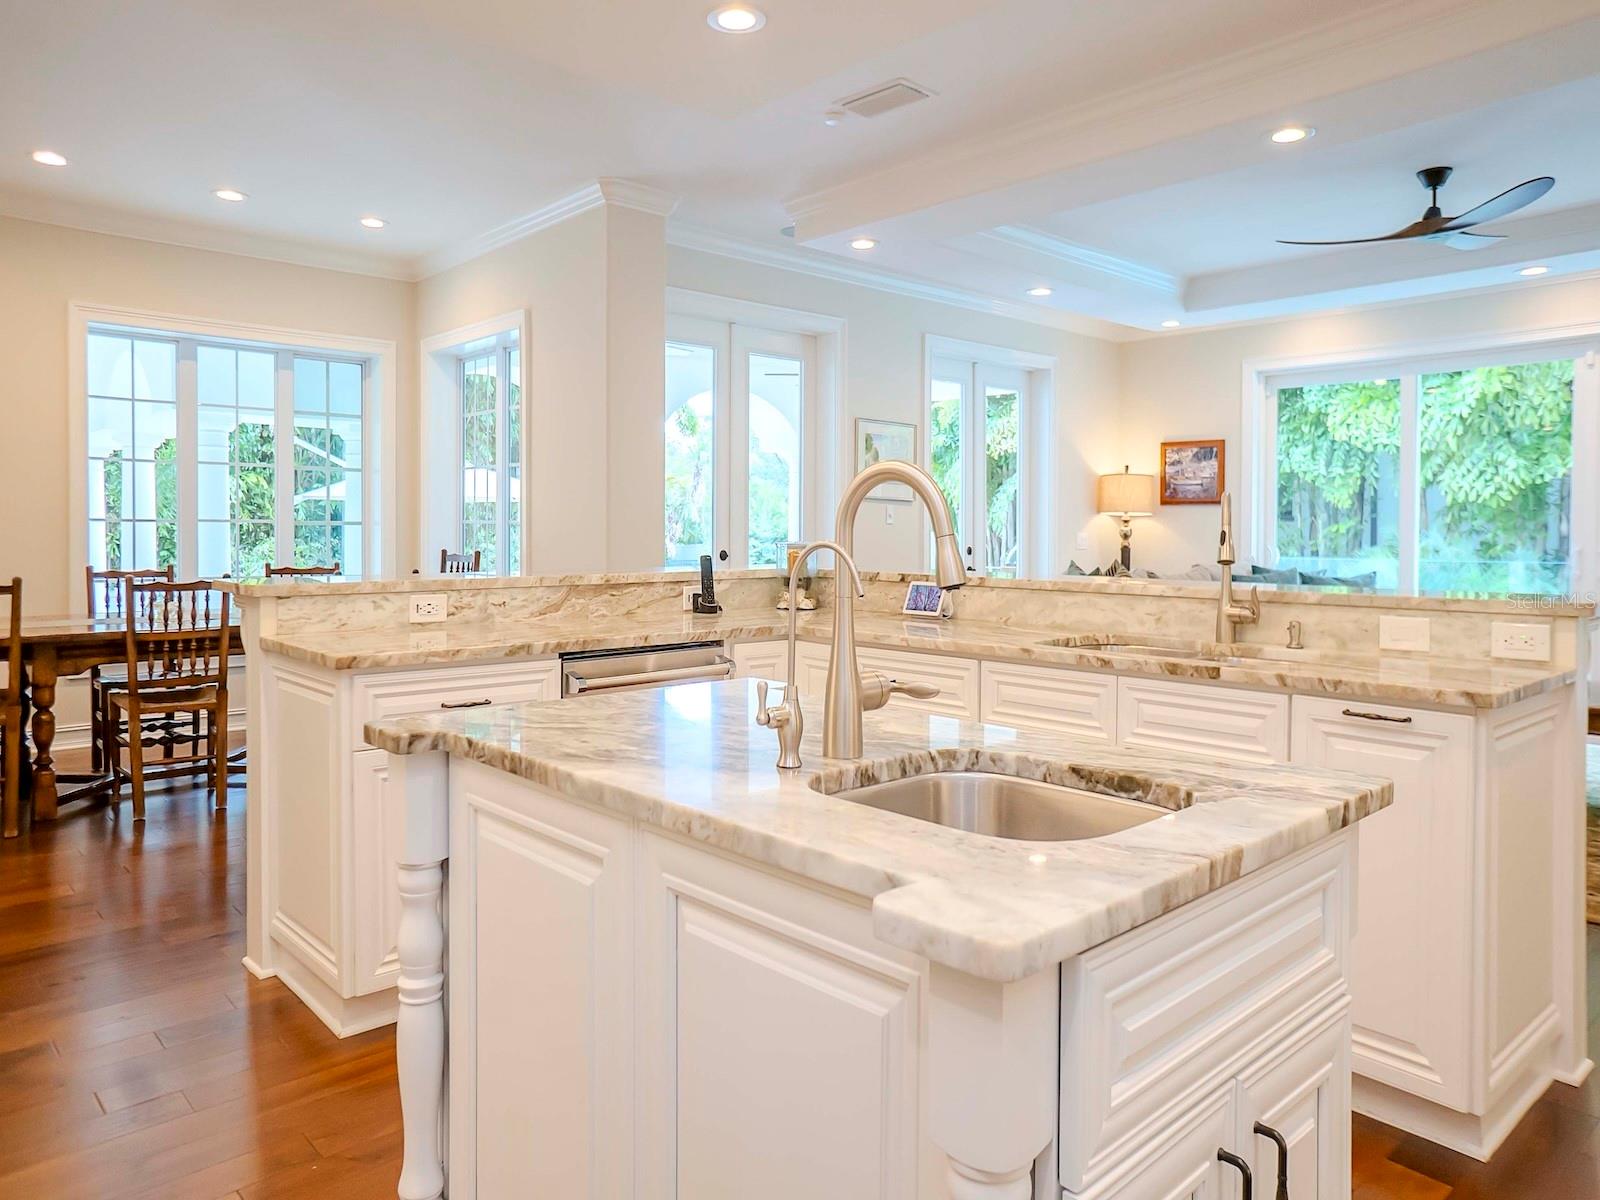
(139, 1060)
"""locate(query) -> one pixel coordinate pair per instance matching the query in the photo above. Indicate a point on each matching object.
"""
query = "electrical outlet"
(1403, 633)
(1510, 639)
(429, 606)
(688, 597)
(1083, 541)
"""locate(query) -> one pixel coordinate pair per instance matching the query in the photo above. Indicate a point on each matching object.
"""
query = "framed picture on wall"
(880, 441)
(1193, 472)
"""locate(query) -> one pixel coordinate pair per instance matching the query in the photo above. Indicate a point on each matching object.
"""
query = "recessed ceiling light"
(49, 158)
(1533, 270)
(1290, 134)
(229, 194)
(862, 243)
(1170, 324)
(736, 18)
(832, 117)
(1039, 291)
(372, 222)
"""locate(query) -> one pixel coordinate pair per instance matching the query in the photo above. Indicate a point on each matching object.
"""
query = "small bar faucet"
(785, 718)
(1229, 614)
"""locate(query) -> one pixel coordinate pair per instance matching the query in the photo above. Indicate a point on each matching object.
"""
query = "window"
(738, 419)
(1431, 476)
(217, 458)
(976, 420)
(490, 386)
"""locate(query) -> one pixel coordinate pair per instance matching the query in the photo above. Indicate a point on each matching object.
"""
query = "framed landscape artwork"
(1193, 472)
(877, 441)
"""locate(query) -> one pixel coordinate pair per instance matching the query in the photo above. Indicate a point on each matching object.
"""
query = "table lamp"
(1127, 495)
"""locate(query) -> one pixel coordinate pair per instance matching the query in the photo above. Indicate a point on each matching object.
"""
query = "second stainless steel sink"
(1004, 806)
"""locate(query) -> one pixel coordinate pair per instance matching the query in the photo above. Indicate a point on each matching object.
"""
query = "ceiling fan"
(1452, 231)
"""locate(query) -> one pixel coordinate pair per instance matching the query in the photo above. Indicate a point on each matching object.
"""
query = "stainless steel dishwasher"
(596, 671)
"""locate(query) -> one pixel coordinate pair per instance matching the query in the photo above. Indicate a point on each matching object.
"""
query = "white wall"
(1189, 385)
(883, 378)
(43, 268)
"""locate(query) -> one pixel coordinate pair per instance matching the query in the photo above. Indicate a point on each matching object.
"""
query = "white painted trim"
(1082, 256)
(1257, 419)
(621, 192)
(438, 427)
(382, 359)
(826, 266)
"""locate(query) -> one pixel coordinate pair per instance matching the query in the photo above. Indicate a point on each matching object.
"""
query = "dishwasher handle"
(721, 668)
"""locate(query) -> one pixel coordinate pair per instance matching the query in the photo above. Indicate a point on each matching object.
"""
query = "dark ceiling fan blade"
(1506, 203)
(1399, 235)
(1458, 240)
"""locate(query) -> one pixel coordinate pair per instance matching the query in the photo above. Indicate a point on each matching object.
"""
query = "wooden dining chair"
(177, 659)
(460, 564)
(272, 572)
(11, 716)
(105, 595)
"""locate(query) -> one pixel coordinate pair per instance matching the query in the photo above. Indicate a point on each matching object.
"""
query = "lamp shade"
(1127, 495)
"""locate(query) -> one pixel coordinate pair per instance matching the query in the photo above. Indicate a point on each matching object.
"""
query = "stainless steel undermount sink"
(1004, 806)
(1145, 649)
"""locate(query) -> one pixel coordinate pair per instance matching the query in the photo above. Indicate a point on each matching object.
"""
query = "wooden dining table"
(56, 646)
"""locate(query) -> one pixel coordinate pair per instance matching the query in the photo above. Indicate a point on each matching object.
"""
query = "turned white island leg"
(423, 782)
(993, 1073)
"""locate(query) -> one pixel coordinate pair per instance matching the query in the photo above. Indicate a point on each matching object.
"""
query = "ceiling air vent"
(884, 97)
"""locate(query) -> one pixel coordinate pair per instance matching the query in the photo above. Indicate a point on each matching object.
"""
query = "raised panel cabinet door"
(1080, 704)
(377, 840)
(760, 660)
(1184, 1165)
(1411, 959)
(1301, 1091)
(811, 668)
(778, 1048)
(541, 988)
(1204, 720)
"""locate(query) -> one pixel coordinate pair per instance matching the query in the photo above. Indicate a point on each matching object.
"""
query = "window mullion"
(188, 462)
(502, 465)
(974, 447)
(1410, 486)
(283, 459)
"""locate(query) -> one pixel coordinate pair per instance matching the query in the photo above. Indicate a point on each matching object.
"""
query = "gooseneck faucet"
(1230, 614)
(849, 695)
(785, 718)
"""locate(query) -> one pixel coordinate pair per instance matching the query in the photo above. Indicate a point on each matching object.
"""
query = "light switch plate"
(429, 606)
(1513, 639)
(1083, 541)
(1404, 633)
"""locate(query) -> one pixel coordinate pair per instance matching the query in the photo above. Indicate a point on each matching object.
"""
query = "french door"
(740, 442)
(977, 418)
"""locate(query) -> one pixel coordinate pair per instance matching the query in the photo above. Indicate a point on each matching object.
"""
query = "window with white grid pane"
(490, 441)
(218, 458)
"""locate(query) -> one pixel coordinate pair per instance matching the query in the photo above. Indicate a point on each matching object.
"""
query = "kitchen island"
(675, 970)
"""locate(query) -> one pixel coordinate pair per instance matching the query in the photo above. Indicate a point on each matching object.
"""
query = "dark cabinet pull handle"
(465, 703)
(1282, 1144)
(1372, 716)
(1238, 1164)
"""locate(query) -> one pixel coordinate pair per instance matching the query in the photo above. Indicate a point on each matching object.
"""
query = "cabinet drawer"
(1174, 1009)
(1081, 704)
(761, 660)
(1203, 719)
(408, 693)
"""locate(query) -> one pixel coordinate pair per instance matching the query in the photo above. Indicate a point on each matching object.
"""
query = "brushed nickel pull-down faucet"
(1231, 614)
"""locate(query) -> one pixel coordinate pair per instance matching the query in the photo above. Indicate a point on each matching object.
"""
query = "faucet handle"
(1255, 602)
(763, 713)
(919, 691)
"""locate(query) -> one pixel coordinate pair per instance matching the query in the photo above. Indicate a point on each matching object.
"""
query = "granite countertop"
(690, 760)
(1396, 678)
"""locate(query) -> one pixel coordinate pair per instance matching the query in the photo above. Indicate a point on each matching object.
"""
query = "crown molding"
(1343, 53)
(1062, 250)
(623, 193)
(825, 266)
(197, 235)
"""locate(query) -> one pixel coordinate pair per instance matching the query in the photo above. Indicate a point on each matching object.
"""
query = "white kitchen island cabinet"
(696, 976)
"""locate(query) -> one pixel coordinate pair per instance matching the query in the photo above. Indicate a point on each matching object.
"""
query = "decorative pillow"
(1366, 582)
(1203, 571)
(1268, 575)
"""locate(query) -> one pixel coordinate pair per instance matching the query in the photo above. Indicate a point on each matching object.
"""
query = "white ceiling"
(1116, 148)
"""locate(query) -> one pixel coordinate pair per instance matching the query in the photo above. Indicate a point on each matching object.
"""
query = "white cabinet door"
(1411, 974)
(811, 668)
(778, 1043)
(541, 993)
(1301, 1091)
(1080, 704)
(760, 660)
(1185, 1165)
(377, 839)
(956, 679)
(1203, 719)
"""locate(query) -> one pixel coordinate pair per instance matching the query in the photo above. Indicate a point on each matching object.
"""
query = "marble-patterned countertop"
(690, 760)
(1397, 678)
